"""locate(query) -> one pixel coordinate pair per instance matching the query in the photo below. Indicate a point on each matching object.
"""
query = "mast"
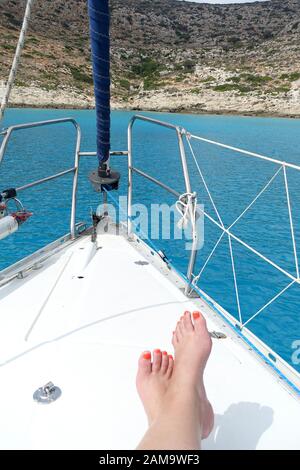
(100, 45)
(103, 179)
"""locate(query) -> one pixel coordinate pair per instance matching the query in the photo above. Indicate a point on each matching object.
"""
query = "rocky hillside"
(166, 54)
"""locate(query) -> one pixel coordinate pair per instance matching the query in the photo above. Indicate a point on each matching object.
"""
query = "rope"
(235, 280)
(15, 64)
(270, 302)
(244, 152)
(187, 207)
(196, 278)
(203, 180)
(249, 247)
(256, 197)
(291, 220)
(232, 236)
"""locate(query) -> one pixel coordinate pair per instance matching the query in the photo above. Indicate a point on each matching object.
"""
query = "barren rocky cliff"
(166, 55)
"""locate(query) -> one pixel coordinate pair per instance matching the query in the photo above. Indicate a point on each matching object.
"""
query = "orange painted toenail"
(196, 315)
(165, 353)
(158, 351)
(147, 356)
(170, 356)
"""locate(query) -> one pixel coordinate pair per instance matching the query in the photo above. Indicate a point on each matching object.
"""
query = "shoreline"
(192, 110)
(208, 102)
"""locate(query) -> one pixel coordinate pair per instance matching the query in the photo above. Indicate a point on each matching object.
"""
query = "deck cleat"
(217, 335)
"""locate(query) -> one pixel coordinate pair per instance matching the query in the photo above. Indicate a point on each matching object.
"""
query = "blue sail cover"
(100, 44)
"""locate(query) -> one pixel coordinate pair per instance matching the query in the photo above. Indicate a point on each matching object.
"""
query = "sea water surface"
(233, 180)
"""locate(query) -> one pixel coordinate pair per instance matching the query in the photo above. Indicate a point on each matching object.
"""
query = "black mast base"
(104, 179)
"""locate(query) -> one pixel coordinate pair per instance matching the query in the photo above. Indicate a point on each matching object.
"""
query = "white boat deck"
(81, 322)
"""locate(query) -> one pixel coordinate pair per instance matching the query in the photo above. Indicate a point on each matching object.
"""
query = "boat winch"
(10, 221)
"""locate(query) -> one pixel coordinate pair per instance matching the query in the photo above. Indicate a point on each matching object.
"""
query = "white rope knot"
(186, 206)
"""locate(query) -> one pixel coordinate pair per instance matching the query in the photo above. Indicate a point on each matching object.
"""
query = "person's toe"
(199, 322)
(179, 330)
(156, 360)
(170, 366)
(145, 363)
(164, 362)
(174, 339)
(187, 321)
(202, 331)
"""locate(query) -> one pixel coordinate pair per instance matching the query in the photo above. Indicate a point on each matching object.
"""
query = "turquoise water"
(233, 180)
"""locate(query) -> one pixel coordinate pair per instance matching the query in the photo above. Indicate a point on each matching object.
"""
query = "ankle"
(185, 378)
(181, 391)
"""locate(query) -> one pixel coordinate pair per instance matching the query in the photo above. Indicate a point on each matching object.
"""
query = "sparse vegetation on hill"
(164, 47)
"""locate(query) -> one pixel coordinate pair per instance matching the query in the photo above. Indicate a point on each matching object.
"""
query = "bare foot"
(153, 380)
(192, 344)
